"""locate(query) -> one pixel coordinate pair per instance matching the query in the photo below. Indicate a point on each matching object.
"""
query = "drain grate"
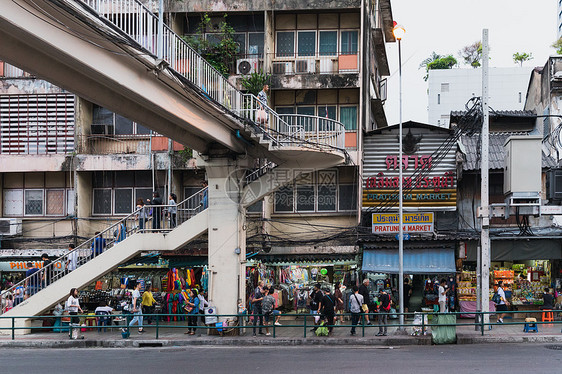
(150, 344)
(555, 347)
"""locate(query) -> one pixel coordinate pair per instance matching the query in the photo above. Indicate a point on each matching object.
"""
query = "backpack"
(496, 298)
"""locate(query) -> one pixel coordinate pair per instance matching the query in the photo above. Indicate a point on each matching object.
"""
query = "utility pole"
(484, 198)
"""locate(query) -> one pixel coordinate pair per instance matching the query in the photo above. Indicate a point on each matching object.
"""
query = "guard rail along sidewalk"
(236, 323)
(149, 218)
(141, 26)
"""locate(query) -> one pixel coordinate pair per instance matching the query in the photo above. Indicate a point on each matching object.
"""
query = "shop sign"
(429, 170)
(22, 265)
(387, 223)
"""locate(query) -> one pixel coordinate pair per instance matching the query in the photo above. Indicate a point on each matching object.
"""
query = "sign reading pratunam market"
(387, 223)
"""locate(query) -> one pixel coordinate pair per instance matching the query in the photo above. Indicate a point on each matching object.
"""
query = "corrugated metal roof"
(498, 114)
(472, 151)
(416, 261)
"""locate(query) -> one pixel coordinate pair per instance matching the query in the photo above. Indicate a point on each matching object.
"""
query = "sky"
(446, 26)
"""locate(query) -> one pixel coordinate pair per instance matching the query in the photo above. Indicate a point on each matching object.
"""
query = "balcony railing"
(337, 63)
(113, 144)
(11, 71)
(140, 24)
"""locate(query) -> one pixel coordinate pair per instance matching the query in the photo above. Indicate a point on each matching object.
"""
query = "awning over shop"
(416, 261)
(520, 249)
(286, 260)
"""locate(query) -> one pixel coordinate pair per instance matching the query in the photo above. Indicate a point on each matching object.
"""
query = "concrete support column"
(83, 189)
(227, 237)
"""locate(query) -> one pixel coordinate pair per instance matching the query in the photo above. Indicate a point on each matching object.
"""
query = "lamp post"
(399, 32)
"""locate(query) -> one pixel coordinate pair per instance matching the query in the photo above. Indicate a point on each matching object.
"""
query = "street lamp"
(399, 32)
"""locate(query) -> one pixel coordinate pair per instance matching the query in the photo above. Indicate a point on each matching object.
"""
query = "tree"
(519, 58)
(472, 54)
(221, 51)
(558, 46)
(436, 61)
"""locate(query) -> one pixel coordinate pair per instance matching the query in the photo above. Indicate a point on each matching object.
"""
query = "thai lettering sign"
(423, 185)
(388, 223)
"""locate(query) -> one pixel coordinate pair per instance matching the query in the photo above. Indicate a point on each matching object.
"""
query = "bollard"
(157, 327)
(305, 325)
(362, 325)
(13, 327)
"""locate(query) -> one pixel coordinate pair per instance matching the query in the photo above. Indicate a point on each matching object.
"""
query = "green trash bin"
(444, 334)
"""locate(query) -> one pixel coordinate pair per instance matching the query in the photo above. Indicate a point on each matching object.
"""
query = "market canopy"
(416, 261)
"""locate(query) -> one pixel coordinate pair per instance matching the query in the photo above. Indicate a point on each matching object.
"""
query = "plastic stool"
(530, 325)
(547, 315)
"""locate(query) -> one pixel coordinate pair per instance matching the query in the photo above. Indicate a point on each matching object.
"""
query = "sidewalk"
(170, 337)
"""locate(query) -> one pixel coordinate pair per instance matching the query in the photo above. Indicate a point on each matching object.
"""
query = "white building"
(449, 90)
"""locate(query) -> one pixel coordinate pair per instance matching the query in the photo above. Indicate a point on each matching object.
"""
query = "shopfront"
(429, 197)
(525, 266)
(294, 276)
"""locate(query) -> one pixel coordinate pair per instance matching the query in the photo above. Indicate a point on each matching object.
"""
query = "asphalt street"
(476, 358)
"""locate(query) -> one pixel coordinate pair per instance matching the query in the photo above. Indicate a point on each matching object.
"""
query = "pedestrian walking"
(315, 299)
(407, 294)
(256, 307)
(148, 304)
(32, 280)
(172, 209)
(142, 214)
(367, 305)
(71, 259)
(137, 311)
(9, 303)
(73, 307)
(99, 244)
(47, 270)
(267, 306)
(327, 308)
(442, 296)
(338, 296)
(121, 233)
(192, 308)
(501, 307)
(156, 210)
(262, 114)
(355, 304)
(203, 303)
(384, 309)
(204, 196)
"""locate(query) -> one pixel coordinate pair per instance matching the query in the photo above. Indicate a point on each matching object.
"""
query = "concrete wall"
(254, 6)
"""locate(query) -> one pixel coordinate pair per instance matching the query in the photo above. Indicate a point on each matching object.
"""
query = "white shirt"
(502, 295)
(107, 309)
(72, 304)
(442, 296)
(72, 260)
(202, 303)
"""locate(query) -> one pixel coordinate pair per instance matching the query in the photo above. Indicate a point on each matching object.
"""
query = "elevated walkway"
(117, 54)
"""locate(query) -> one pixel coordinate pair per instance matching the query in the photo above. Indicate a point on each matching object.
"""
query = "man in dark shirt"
(384, 308)
(548, 299)
(407, 294)
(48, 270)
(256, 307)
(156, 212)
(32, 283)
(364, 291)
(326, 307)
(315, 299)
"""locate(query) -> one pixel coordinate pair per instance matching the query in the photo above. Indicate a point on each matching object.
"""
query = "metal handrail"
(140, 24)
(361, 326)
(106, 239)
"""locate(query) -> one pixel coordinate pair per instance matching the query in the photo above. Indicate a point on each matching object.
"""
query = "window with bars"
(37, 124)
(38, 202)
(320, 192)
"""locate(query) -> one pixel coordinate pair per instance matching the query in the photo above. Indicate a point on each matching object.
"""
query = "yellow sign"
(387, 223)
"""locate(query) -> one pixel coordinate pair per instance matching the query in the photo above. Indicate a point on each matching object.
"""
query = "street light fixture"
(399, 32)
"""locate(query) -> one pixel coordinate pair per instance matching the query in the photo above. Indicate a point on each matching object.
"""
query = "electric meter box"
(523, 165)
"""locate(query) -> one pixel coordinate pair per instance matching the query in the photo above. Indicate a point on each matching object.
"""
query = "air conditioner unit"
(283, 68)
(554, 185)
(102, 129)
(306, 66)
(10, 226)
(246, 66)
(328, 65)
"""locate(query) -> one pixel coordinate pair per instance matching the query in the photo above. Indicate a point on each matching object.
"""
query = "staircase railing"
(139, 23)
(149, 218)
